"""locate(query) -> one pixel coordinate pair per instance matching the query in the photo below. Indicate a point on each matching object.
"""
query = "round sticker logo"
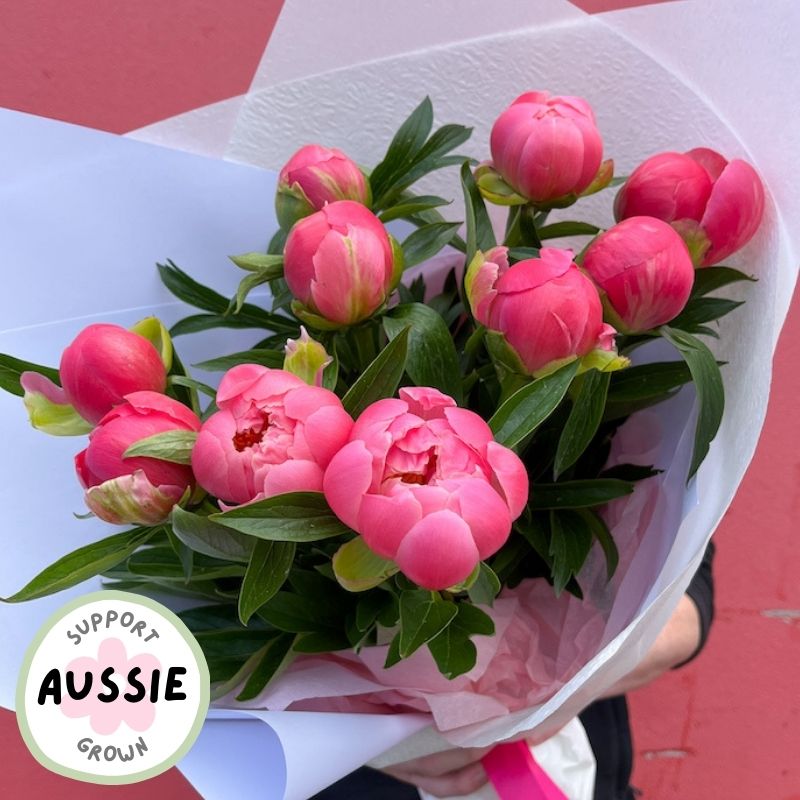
(114, 689)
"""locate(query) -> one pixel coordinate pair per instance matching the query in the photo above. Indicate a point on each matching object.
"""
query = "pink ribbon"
(515, 775)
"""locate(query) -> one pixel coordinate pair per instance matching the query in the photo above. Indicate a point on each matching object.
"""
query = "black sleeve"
(701, 593)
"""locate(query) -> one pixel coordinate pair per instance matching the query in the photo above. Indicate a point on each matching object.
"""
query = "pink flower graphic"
(105, 718)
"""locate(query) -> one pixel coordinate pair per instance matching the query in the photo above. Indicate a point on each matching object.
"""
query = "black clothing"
(606, 723)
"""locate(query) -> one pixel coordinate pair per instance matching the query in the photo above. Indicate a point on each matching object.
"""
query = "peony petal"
(430, 498)
(384, 520)
(486, 513)
(710, 160)
(109, 441)
(299, 403)
(734, 211)
(298, 253)
(48, 408)
(132, 500)
(531, 273)
(346, 481)
(377, 417)
(438, 551)
(293, 476)
(669, 186)
(511, 477)
(470, 427)
(326, 431)
(85, 475)
(426, 402)
(37, 383)
(147, 402)
(103, 364)
(246, 382)
(351, 275)
(218, 467)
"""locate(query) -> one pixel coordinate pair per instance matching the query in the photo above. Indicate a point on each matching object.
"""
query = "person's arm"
(684, 635)
(451, 773)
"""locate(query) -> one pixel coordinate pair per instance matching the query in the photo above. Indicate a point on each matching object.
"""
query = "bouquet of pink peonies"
(399, 485)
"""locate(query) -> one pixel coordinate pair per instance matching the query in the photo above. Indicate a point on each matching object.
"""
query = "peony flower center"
(250, 436)
(423, 477)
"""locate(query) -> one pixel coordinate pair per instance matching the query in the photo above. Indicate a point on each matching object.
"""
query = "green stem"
(363, 337)
(473, 345)
(521, 227)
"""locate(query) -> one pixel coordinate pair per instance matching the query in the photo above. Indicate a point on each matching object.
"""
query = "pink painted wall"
(728, 725)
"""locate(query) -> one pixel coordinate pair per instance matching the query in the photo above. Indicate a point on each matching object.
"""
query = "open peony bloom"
(313, 177)
(715, 204)
(340, 265)
(273, 434)
(138, 490)
(547, 147)
(105, 363)
(644, 270)
(426, 485)
(546, 310)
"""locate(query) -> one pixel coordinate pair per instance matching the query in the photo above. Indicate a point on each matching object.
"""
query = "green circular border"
(112, 780)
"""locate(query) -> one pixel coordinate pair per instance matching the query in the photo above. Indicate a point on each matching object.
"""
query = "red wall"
(728, 725)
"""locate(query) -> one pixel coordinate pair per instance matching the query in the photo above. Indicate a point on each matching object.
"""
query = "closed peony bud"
(273, 434)
(644, 270)
(340, 265)
(547, 312)
(546, 148)
(306, 358)
(103, 364)
(313, 177)
(714, 204)
(140, 490)
(426, 486)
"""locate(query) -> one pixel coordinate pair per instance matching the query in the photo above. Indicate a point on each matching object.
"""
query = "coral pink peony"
(547, 311)
(547, 147)
(139, 490)
(426, 485)
(340, 264)
(715, 204)
(313, 177)
(273, 434)
(103, 364)
(644, 270)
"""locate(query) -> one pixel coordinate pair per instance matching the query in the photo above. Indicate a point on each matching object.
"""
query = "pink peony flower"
(340, 264)
(547, 311)
(273, 434)
(715, 204)
(313, 177)
(104, 364)
(644, 269)
(426, 485)
(105, 718)
(139, 490)
(547, 147)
